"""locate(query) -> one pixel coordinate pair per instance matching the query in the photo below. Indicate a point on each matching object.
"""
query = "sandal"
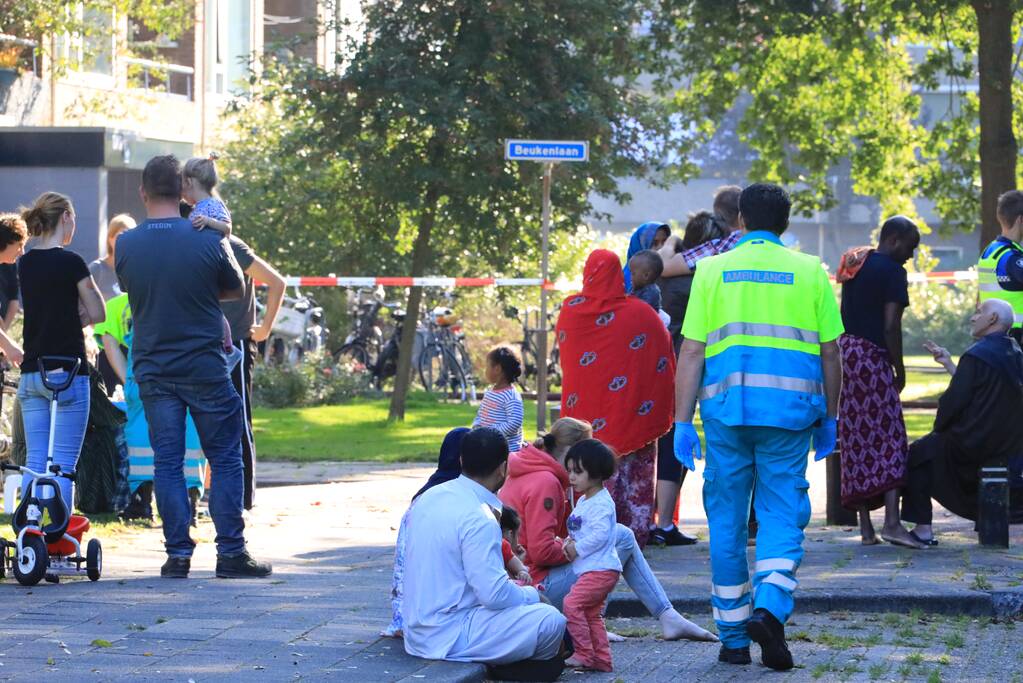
(925, 541)
(900, 542)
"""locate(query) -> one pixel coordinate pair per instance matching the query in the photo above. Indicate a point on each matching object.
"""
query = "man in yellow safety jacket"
(1000, 269)
(761, 353)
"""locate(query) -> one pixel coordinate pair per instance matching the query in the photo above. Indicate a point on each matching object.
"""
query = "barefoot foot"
(674, 626)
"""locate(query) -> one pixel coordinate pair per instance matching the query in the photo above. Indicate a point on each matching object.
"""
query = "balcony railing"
(23, 42)
(175, 79)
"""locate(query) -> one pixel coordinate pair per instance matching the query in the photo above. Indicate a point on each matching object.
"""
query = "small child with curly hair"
(501, 407)
(591, 549)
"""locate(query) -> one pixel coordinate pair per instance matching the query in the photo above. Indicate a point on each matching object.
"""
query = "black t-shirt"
(49, 292)
(880, 281)
(241, 314)
(675, 300)
(8, 286)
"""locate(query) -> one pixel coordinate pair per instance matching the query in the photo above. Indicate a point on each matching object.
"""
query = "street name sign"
(546, 150)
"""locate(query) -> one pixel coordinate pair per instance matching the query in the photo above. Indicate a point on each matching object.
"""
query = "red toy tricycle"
(49, 537)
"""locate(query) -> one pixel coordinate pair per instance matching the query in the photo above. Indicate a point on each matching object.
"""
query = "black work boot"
(737, 655)
(769, 634)
(242, 567)
(176, 568)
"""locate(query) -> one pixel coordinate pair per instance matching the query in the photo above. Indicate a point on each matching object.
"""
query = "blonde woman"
(60, 298)
(102, 269)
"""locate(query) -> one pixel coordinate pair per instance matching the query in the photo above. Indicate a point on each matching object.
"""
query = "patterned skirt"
(871, 431)
(632, 488)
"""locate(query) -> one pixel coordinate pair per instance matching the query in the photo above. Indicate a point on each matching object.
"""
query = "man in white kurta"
(459, 603)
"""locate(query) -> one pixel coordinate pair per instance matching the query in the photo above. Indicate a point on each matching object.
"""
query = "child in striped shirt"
(501, 407)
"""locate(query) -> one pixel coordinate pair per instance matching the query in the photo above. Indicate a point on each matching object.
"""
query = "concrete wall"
(87, 188)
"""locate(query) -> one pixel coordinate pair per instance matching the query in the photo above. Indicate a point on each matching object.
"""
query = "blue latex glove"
(687, 444)
(824, 438)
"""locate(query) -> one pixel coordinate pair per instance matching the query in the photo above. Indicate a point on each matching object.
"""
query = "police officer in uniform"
(1000, 269)
(761, 354)
(1000, 276)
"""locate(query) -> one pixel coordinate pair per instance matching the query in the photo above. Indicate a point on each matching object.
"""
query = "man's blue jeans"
(217, 412)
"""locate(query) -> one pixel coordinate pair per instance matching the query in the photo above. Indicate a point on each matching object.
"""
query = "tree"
(428, 90)
(41, 19)
(826, 84)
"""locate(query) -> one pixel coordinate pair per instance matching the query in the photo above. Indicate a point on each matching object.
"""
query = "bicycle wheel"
(355, 353)
(440, 372)
(464, 361)
(433, 368)
(456, 377)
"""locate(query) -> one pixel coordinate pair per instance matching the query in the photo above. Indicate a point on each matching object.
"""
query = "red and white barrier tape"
(416, 281)
(944, 276)
(935, 276)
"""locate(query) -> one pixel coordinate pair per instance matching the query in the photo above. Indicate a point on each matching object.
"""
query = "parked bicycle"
(530, 345)
(445, 365)
(298, 330)
(8, 390)
(365, 342)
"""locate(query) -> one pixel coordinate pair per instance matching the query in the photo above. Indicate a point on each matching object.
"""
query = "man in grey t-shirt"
(175, 277)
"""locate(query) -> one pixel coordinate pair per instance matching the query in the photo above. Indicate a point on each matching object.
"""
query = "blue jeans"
(635, 570)
(217, 411)
(69, 431)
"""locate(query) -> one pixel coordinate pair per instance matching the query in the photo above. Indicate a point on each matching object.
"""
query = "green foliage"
(827, 88)
(333, 169)
(317, 381)
(939, 313)
(36, 19)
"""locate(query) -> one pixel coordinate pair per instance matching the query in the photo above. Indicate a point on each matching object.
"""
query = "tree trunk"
(997, 142)
(420, 257)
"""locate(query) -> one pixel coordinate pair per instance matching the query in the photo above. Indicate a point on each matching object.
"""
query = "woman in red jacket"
(537, 487)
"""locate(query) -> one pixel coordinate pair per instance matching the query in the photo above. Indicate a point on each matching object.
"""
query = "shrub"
(939, 312)
(279, 386)
(317, 381)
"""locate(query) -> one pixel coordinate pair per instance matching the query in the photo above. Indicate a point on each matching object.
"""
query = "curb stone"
(1003, 603)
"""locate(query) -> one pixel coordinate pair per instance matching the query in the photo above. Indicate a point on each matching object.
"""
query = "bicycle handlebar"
(54, 471)
(57, 387)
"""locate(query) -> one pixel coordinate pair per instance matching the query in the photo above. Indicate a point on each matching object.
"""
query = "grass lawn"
(359, 430)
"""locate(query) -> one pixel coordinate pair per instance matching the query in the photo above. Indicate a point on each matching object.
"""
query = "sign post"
(548, 152)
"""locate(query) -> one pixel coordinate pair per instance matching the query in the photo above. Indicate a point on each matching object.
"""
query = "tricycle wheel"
(94, 560)
(30, 566)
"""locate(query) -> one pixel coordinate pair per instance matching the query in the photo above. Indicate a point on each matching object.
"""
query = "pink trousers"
(582, 608)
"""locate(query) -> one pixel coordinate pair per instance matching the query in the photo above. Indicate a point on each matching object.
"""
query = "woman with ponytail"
(537, 486)
(59, 298)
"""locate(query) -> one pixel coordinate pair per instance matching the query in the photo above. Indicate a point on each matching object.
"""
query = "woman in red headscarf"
(619, 370)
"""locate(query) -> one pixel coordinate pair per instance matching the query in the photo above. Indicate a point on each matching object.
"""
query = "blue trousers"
(217, 411)
(69, 432)
(776, 458)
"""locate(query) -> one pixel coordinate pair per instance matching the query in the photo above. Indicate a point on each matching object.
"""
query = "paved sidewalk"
(319, 615)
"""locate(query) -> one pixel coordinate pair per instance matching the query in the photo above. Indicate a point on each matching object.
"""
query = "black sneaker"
(671, 537)
(738, 655)
(176, 568)
(242, 567)
(769, 633)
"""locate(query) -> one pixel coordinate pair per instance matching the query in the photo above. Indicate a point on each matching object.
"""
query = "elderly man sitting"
(459, 603)
(978, 422)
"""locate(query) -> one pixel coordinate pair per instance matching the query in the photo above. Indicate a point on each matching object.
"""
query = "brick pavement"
(319, 615)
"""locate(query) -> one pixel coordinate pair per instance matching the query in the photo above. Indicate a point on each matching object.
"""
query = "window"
(91, 48)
